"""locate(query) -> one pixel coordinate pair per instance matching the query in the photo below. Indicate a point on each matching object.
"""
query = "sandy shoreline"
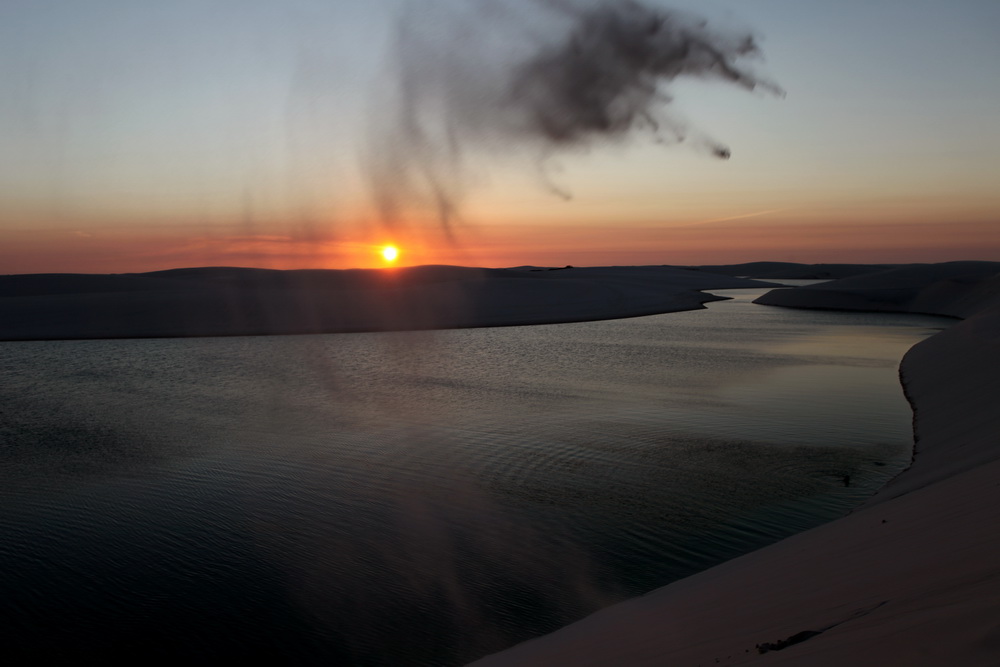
(911, 577)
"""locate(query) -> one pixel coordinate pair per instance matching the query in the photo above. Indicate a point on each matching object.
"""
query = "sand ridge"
(226, 301)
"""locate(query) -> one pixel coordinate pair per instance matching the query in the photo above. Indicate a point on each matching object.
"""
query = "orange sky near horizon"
(781, 235)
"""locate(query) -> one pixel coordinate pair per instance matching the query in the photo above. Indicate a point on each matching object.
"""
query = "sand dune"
(956, 289)
(791, 270)
(235, 301)
(911, 578)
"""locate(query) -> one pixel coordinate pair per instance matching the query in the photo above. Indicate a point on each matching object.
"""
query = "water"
(420, 498)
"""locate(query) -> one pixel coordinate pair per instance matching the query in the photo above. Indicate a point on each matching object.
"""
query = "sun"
(390, 253)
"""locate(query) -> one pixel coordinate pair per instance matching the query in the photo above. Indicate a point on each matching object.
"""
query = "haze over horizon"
(140, 137)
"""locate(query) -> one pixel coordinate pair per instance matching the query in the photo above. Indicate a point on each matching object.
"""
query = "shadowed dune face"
(956, 289)
(793, 271)
(231, 301)
(235, 301)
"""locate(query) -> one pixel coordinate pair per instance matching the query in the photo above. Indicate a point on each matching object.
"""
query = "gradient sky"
(140, 135)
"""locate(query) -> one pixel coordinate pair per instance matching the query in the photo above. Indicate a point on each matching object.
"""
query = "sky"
(138, 136)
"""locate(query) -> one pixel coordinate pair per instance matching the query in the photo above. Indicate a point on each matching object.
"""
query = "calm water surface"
(420, 498)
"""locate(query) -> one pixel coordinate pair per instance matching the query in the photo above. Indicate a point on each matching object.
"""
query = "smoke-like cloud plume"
(534, 78)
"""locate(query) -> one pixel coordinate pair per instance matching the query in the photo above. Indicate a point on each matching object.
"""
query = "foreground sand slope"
(234, 301)
(911, 578)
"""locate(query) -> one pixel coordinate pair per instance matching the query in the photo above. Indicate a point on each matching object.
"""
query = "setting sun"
(390, 253)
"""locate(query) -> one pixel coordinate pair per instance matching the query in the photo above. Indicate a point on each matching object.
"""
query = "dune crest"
(225, 301)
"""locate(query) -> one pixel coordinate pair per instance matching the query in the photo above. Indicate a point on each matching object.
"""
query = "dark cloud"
(534, 79)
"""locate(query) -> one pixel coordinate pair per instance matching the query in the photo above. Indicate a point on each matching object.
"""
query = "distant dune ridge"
(956, 289)
(791, 270)
(221, 301)
(910, 578)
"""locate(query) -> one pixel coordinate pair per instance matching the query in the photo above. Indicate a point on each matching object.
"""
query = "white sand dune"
(233, 301)
(911, 578)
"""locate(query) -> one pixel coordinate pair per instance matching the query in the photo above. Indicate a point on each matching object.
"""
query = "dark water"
(420, 498)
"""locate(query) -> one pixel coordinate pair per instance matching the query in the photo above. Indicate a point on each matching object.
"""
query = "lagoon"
(422, 497)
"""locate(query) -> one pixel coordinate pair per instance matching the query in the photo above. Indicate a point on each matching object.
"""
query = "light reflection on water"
(421, 498)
